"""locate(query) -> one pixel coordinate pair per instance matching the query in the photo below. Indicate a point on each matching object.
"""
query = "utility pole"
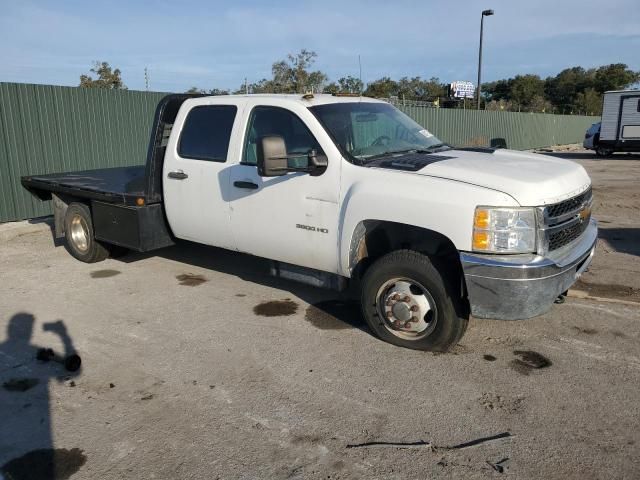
(146, 79)
(246, 86)
(485, 13)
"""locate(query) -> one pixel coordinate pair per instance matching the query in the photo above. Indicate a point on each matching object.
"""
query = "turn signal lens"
(480, 240)
(481, 219)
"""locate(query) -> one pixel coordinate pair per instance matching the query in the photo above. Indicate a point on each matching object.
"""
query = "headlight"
(504, 230)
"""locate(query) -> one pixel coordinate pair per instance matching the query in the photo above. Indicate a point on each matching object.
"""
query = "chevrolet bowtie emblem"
(585, 213)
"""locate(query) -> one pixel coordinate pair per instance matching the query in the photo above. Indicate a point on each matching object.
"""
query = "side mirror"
(317, 163)
(272, 156)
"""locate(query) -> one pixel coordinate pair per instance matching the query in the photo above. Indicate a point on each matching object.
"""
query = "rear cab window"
(206, 133)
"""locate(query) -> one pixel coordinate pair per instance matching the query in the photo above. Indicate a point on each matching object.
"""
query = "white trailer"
(620, 129)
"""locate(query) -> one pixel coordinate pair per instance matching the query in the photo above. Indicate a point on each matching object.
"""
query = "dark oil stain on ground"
(240, 295)
(585, 330)
(306, 439)
(276, 308)
(529, 361)
(334, 315)
(489, 358)
(621, 292)
(618, 334)
(20, 384)
(190, 280)
(46, 463)
(104, 273)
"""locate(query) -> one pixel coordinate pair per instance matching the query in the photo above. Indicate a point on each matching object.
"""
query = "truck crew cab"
(338, 190)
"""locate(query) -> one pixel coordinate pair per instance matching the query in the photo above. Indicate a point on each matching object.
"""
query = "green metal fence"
(521, 131)
(46, 129)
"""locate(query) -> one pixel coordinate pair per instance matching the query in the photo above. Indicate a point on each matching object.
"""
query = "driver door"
(291, 218)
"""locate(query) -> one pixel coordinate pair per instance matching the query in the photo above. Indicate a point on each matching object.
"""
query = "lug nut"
(407, 298)
(389, 315)
(396, 296)
(414, 319)
(414, 308)
(407, 325)
(397, 324)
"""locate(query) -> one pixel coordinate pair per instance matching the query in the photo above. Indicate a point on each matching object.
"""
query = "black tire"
(444, 325)
(603, 151)
(80, 241)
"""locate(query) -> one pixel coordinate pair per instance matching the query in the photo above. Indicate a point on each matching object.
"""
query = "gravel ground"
(196, 364)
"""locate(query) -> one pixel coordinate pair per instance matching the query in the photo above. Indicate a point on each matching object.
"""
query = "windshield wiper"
(408, 150)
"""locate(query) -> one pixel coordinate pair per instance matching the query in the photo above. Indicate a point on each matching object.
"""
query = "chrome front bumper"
(515, 287)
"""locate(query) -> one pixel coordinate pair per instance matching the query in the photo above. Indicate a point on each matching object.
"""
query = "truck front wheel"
(78, 231)
(406, 301)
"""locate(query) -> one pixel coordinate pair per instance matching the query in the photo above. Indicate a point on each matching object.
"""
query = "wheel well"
(374, 238)
(60, 204)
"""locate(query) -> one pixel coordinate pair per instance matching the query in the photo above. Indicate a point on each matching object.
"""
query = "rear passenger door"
(196, 174)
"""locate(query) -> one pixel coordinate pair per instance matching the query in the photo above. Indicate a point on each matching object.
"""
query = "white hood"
(531, 179)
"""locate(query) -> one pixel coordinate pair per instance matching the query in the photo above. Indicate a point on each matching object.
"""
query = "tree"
(525, 88)
(589, 102)
(614, 77)
(331, 88)
(293, 74)
(382, 88)
(107, 78)
(350, 84)
(563, 89)
(213, 91)
(497, 91)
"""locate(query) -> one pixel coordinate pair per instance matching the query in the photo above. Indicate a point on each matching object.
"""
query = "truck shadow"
(623, 240)
(327, 309)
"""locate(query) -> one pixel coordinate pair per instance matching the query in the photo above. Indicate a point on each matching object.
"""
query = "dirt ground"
(197, 364)
(615, 271)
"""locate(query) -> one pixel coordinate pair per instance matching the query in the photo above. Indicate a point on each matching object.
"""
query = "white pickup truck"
(338, 190)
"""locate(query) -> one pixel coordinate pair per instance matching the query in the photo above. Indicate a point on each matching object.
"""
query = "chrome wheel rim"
(406, 308)
(79, 233)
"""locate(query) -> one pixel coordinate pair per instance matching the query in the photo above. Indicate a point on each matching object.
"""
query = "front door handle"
(247, 185)
(178, 175)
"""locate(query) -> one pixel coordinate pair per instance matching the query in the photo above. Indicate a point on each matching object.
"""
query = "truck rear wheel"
(79, 235)
(406, 301)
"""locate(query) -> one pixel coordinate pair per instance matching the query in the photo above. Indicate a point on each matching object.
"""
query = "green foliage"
(213, 91)
(589, 102)
(407, 88)
(614, 77)
(382, 88)
(107, 78)
(573, 90)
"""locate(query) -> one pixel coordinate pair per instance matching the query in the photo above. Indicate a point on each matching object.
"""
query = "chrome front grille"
(565, 221)
(568, 206)
(566, 235)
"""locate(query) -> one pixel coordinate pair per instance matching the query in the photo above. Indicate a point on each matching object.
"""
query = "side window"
(206, 133)
(279, 121)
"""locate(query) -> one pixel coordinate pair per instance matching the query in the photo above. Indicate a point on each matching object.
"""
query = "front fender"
(444, 206)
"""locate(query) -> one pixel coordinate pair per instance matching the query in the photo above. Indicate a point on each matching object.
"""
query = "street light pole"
(485, 13)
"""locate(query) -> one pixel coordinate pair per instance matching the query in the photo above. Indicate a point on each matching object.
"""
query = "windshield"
(364, 130)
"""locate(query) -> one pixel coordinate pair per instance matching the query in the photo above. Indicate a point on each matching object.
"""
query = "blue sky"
(218, 43)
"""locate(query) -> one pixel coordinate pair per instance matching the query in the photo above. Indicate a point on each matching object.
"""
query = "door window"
(206, 133)
(266, 121)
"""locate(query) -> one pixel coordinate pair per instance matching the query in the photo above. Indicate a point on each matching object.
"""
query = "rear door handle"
(178, 175)
(247, 185)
